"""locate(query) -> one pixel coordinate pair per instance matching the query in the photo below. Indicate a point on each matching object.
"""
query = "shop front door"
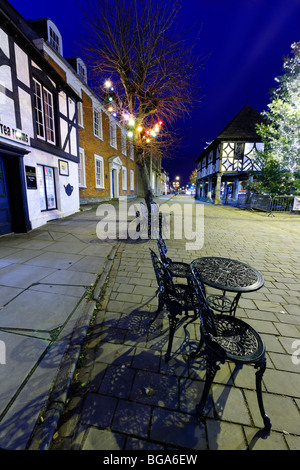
(5, 218)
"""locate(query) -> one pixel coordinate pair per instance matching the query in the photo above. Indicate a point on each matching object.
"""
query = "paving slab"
(35, 310)
(23, 276)
(21, 355)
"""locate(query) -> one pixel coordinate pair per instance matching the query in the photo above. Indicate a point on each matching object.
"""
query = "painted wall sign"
(68, 189)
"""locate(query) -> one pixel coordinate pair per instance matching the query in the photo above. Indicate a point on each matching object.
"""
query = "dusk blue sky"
(245, 41)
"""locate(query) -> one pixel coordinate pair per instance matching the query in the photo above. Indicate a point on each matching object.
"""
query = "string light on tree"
(133, 129)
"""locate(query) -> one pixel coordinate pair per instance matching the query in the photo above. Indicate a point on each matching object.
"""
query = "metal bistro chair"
(176, 268)
(177, 298)
(227, 338)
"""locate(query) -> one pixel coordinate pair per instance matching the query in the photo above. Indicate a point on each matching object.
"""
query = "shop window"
(46, 184)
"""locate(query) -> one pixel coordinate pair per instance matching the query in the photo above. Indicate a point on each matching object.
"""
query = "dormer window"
(53, 39)
(81, 72)
(81, 69)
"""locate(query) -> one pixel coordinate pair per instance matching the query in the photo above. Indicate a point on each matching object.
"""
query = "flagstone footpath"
(81, 368)
(124, 396)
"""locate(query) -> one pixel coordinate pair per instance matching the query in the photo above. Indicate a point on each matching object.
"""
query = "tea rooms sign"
(12, 133)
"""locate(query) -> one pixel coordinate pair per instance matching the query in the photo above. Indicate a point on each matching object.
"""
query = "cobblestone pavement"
(124, 396)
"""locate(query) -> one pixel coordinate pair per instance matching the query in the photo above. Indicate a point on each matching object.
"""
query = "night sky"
(245, 41)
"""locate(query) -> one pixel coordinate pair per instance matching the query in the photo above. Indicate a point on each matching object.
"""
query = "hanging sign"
(12, 133)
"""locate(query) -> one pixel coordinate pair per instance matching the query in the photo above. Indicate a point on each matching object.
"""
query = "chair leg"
(211, 369)
(172, 322)
(159, 309)
(259, 374)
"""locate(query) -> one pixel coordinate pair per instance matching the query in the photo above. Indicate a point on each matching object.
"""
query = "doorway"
(5, 216)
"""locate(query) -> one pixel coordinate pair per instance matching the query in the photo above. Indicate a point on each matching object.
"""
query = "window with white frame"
(98, 123)
(113, 135)
(99, 172)
(81, 168)
(44, 113)
(131, 180)
(124, 178)
(80, 113)
(131, 151)
(124, 143)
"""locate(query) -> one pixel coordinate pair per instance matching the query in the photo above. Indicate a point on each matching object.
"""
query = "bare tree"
(138, 44)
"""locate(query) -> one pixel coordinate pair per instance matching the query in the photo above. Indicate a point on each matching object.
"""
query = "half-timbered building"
(224, 166)
(39, 151)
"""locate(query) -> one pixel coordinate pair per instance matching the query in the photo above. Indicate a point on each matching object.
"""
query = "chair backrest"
(163, 277)
(162, 247)
(206, 313)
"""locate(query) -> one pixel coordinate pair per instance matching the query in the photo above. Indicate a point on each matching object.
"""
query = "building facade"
(107, 167)
(224, 166)
(39, 147)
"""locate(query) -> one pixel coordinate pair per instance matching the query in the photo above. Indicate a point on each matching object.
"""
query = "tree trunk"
(148, 194)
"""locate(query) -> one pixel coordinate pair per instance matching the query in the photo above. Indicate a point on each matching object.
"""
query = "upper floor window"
(113, 135)
(44, 113)
(124, 143)
(81, 70)
(80, 113)
(97, 123)
(131, 151)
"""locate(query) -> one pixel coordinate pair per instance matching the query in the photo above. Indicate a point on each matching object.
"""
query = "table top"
(228, 274)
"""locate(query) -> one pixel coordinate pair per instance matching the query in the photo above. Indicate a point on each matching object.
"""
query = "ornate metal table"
(227, 275)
